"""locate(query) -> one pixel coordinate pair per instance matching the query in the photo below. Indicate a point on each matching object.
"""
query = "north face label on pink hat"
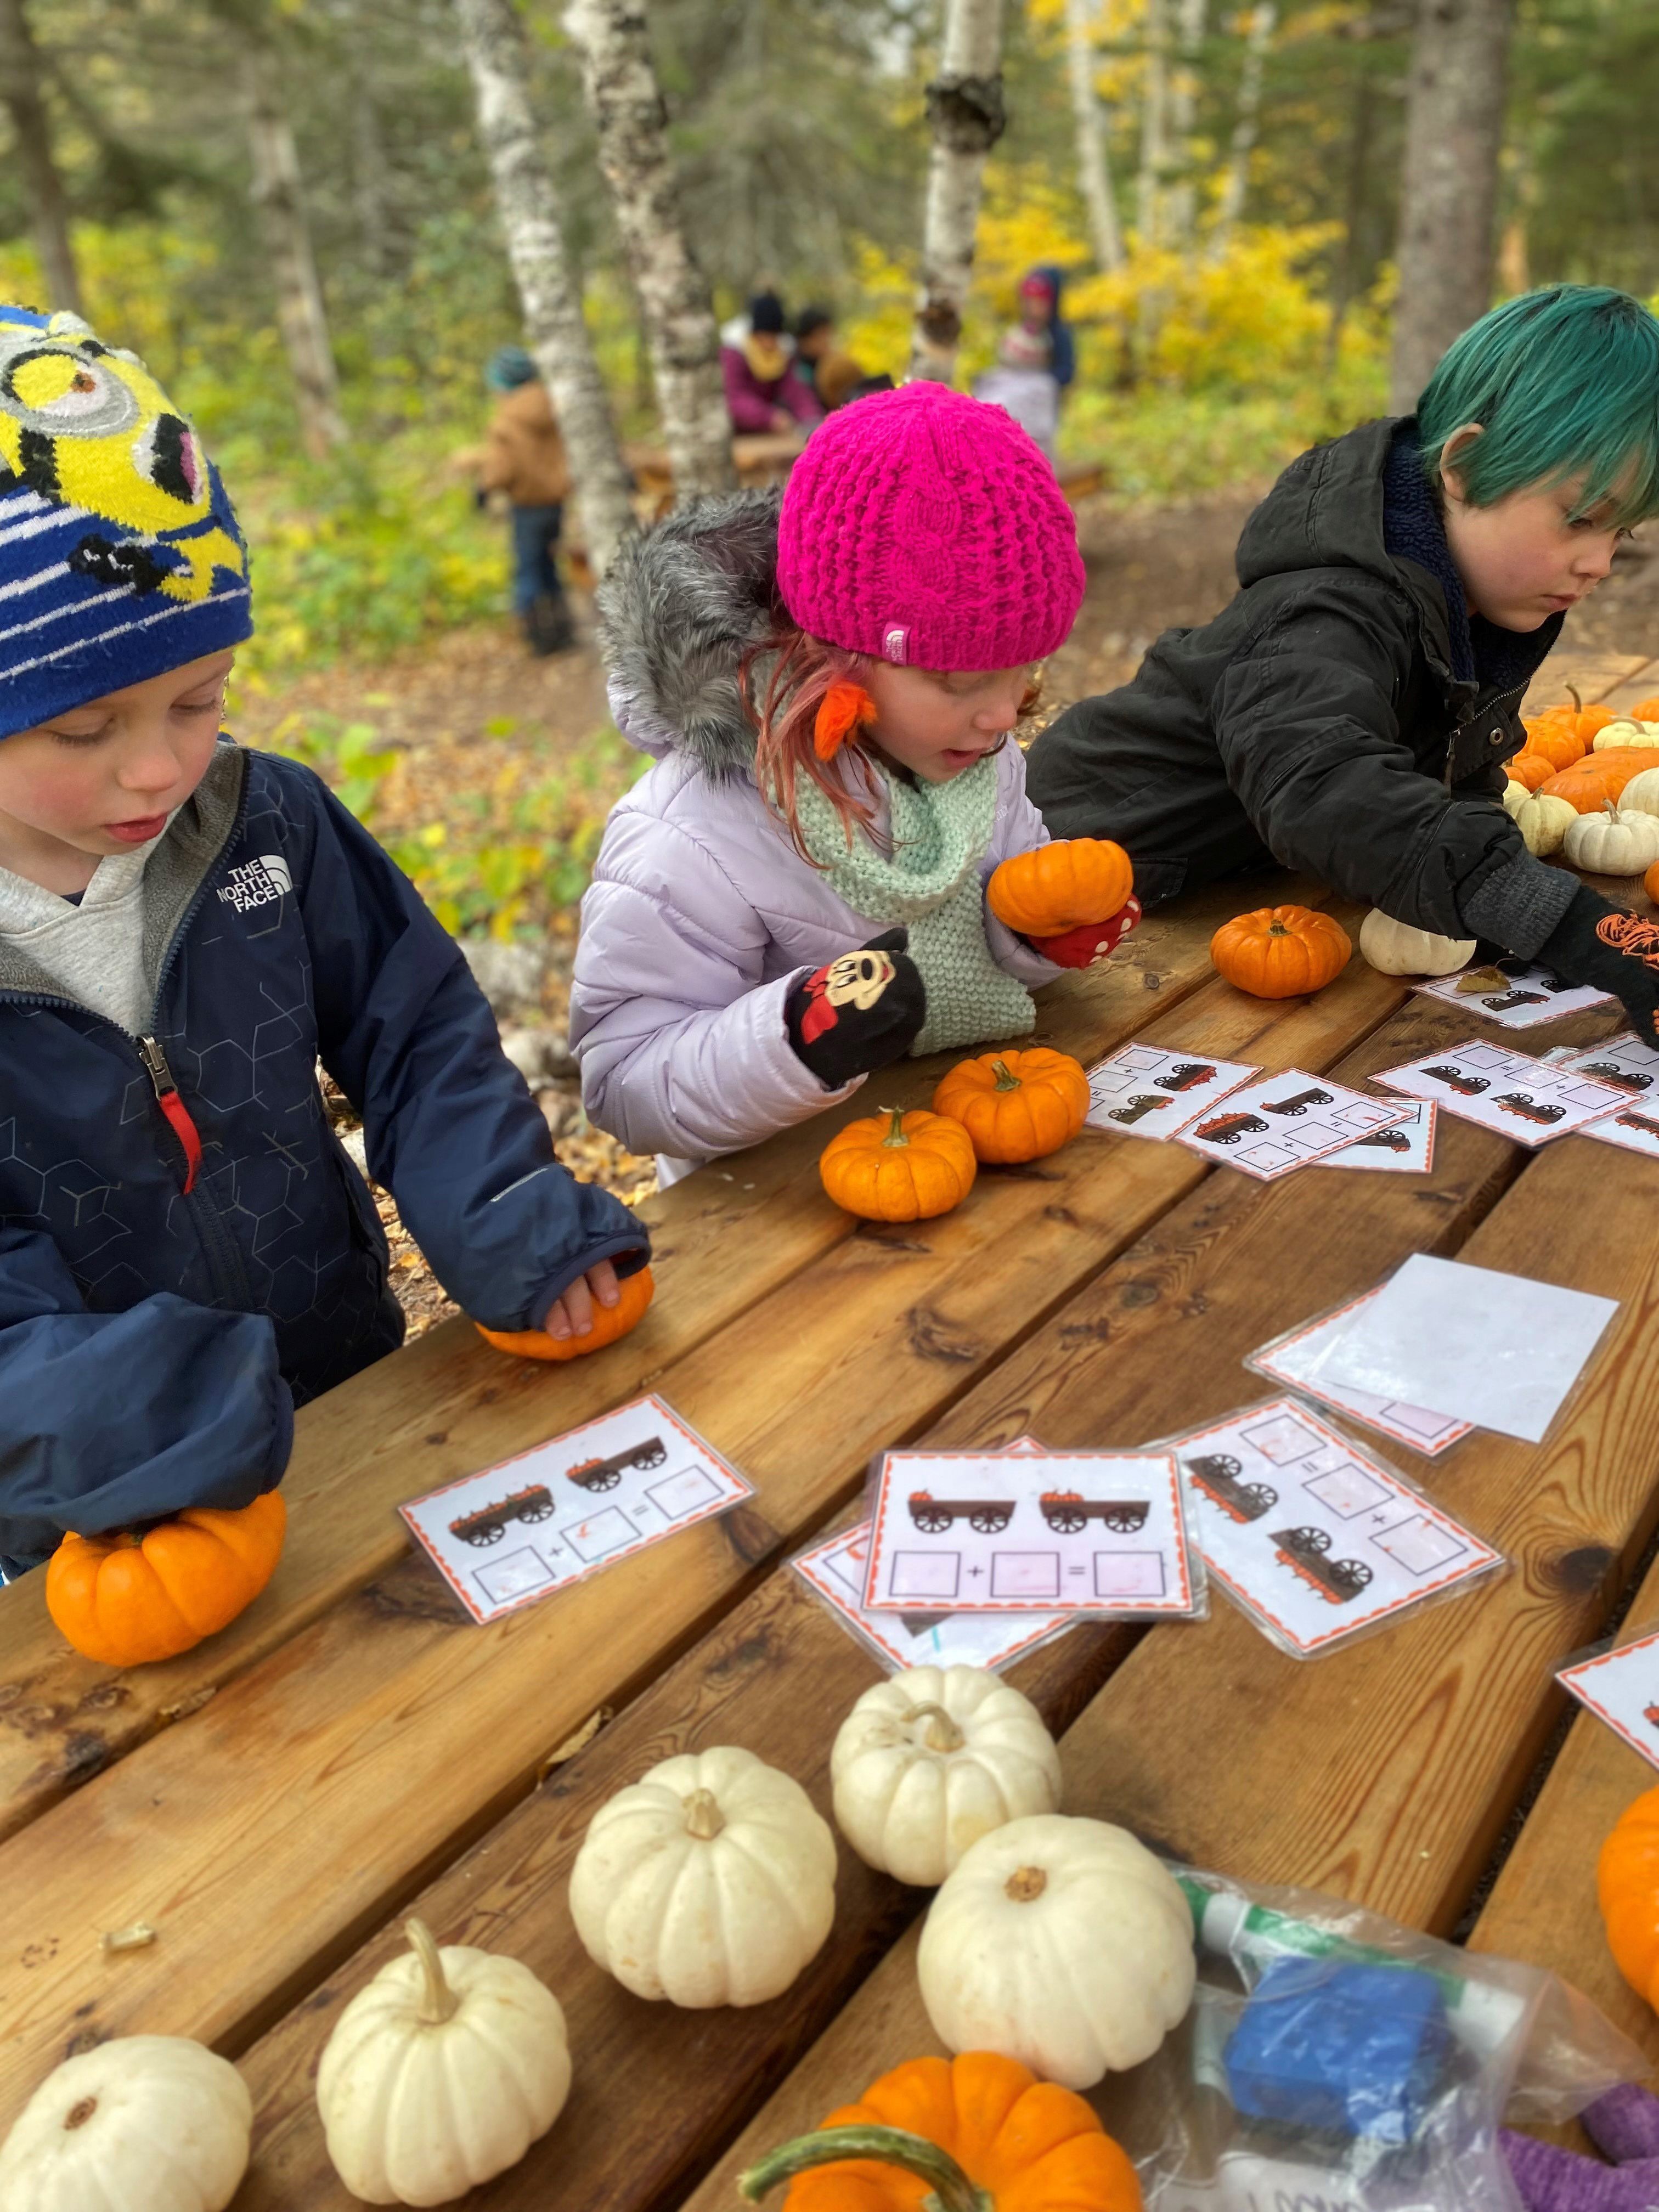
(894, 643)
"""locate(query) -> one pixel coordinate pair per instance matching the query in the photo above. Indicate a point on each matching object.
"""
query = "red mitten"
(1091, 940)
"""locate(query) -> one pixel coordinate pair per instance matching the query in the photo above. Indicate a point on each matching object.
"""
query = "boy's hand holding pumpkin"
(1072, 899)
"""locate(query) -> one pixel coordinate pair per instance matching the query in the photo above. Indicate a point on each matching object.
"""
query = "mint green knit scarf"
(940, 834)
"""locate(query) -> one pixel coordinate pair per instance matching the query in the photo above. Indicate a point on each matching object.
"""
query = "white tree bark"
(1094, 170)
(626, 103)
(1184, 113)
(1264, 18)
(31, 130)
(965, 107)
(280, 202)
(1154, 126)
(1448, 185)
(527, 205)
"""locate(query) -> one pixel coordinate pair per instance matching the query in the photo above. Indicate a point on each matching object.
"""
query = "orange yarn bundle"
(846, 709)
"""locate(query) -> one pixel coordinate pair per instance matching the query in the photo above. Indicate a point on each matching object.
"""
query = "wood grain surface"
(724, 1240)
(398, 1731)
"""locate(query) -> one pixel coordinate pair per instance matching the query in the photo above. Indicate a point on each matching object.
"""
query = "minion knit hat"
(120, 555)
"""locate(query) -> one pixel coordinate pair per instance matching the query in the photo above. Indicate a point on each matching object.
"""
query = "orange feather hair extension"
(846, 708)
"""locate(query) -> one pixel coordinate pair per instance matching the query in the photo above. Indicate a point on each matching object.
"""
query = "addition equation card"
(1514, 994)
(1312, 1537)
(1621, 1687)
(1405, 1147)
(837, 1571)
(1101, 1532)
(1151, 1093)
(1523, 1098)
(1271, 1127)
(563, 1510)
(1625, 1064)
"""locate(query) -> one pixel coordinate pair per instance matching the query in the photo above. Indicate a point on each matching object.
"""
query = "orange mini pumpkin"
(1600, 778)
(124, 1599)
(1533, 769)
(1016, 1105)
(899, 1167)
(1651, 882)
(1627, 1888)
(1645, 710)
(1281, 952)
(609, 1322)
(1056, 887)
(1558, 741)
(976, 2131)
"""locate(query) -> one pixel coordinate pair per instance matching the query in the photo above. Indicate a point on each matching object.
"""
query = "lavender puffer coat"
(701, 918)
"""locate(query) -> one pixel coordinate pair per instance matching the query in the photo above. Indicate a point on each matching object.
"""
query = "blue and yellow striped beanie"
(120, 555)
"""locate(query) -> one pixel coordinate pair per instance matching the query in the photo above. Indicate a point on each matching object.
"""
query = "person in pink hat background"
(793, 896)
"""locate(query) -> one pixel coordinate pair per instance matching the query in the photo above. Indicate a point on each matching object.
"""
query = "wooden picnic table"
(276, 1802)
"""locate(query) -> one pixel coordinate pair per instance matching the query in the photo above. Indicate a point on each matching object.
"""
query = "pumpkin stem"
(442, 2002)
(1577, 703)
(1007, 1080)
(896, 1126)
(1025, 1885)
(942, 1733)
(952, 2192)
(80, 2113)
(1277, 929)
(703, 1817)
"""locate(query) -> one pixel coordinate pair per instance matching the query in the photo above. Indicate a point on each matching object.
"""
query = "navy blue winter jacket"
(162, 1313)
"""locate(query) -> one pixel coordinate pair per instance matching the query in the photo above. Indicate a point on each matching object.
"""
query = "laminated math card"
(837, 1570)
(1514, 994)
(1098, 1532)
(1294, 1359)
(561, 1511)
(1625, 1064)
(1313, 1538)
(1524, 1098)
(1620, 1685)
(1404, 1147)
(1286, 1122)
(1155, 1094)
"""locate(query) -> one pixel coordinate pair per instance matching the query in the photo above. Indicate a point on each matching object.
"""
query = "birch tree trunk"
(965, 110)
(1154, 127)
(527, 204)
(631, 119)
(1264, 18)
(280, 202)
(1184, 113)
(31, 130)
(1093, 170)
(1448, 185)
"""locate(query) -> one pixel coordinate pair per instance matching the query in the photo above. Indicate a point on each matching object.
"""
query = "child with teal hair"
(1350, 712)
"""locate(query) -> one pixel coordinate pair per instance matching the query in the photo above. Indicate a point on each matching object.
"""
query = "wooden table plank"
(726, 1240)
(1614, 677)
(510, 1892)
(399, 1732)
(1382, 1771)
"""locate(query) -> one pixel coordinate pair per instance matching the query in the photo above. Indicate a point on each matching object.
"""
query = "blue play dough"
(1356, 2050)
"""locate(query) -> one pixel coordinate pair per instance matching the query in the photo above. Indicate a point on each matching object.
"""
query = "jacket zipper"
(171, 1103)
(1493, 706)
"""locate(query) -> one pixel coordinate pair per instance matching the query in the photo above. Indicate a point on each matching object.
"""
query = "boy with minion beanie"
(186, 927)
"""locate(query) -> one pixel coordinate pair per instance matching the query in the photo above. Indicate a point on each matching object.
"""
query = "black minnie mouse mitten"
(860, 1012)
(1599, 944)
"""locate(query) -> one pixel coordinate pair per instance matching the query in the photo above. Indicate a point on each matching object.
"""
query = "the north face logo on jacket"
(256, 883)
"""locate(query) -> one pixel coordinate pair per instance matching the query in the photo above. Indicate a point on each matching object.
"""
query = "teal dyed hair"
(1564, 383)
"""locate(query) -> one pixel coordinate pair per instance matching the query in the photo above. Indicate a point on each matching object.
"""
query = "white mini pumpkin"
(1544, 822)
(1061, 1942)
(146, 2123)
(1394, 948)
(934, 1758)
(1613, 841)
(709, 1881)
(442, 2073)
(1641, 794)
(1624, 733)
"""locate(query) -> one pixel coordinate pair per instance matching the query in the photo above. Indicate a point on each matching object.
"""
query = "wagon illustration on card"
(1138, 1108)
(1217, 1475)
(1184, 1074)
(1228, 1128)
(1455, 1080)
(1387, 1140)
(1620, 1078)
(1651, 1714)
(1643, 1124)
(487, 1525)
(1511, 999)
(1529, 1109)
(1303, 1552)
(1067, 1512)
(606, 1473)
(935, 1515)
(1298, 1102)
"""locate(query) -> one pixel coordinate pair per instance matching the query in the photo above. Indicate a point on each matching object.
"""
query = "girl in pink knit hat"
(794, 895)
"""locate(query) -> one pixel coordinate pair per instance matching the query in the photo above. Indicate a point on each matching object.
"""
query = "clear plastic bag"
(1334, 2062)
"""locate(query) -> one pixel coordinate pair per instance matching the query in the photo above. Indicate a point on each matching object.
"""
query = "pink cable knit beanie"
(926, 529)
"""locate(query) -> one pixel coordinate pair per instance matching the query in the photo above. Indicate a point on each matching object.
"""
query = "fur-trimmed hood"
(680, 608)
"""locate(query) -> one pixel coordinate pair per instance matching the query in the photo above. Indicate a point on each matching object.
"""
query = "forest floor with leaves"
(473, 713)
